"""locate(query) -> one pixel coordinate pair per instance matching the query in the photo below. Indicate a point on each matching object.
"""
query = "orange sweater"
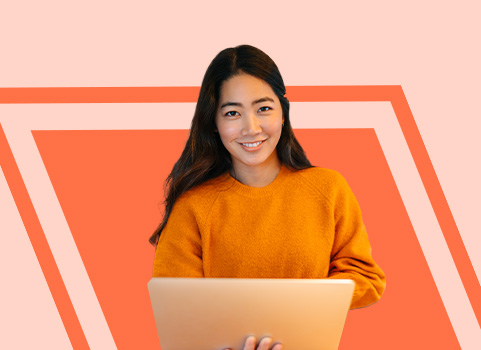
(305, 224)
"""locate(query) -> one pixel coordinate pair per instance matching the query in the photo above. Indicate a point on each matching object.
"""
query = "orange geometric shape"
(120, 169)
(394, 94)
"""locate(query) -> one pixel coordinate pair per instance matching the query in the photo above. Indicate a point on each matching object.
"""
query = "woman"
(243, 200)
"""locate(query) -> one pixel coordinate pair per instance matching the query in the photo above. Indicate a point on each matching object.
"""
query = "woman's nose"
(251, 124)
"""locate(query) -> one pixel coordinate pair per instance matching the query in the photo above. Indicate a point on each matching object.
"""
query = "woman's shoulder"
(206, 191)
(324, 181)
(318, 175)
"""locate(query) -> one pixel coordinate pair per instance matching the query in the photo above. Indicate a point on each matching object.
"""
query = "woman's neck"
(256, 176)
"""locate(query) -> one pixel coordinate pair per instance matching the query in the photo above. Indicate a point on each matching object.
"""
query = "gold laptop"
(219, 313)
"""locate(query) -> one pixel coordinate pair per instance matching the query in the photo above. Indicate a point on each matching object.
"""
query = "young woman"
(243, 200)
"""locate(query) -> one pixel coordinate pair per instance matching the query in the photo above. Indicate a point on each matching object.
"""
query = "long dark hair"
(204, 156)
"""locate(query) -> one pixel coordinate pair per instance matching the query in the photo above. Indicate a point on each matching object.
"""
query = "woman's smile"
(251, 146)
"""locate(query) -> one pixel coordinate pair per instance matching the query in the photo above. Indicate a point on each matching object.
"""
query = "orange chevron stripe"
(40, 246)
(393, 93)
(99, 95)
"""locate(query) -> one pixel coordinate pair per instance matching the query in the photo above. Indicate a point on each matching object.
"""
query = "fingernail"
(251, 340)
(266, 340)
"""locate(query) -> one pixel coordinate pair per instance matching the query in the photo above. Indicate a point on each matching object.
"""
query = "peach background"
(428, 48)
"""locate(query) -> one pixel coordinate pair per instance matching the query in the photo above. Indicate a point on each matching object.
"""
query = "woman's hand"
(264, 344)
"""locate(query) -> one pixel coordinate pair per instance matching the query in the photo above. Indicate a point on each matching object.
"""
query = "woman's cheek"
(231, 131)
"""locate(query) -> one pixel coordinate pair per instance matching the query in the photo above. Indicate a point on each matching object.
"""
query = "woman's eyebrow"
(264, 99)
(238, 104)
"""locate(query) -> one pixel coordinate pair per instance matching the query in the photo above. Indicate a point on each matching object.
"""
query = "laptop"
(219, 313)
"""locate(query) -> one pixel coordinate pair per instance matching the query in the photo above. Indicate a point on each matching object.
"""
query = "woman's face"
(249, 121)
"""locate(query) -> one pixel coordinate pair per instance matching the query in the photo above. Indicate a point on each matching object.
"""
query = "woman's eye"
(231, 113)
(264, 109)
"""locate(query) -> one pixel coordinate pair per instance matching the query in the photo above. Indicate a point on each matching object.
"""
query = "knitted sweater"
(304, 224)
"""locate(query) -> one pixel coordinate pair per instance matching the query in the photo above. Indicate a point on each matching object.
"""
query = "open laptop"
(219, 313)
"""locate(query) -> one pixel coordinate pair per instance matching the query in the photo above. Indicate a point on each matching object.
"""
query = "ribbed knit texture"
(305, 224)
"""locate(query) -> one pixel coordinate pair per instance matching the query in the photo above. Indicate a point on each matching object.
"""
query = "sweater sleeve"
(351, 252)
(179, 250)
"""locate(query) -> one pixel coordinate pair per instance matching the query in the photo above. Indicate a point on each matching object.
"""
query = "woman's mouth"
(252, 146)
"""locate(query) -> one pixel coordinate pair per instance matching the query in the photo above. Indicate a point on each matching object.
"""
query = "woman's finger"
(250, 343)
(278, 346)
(265, 343)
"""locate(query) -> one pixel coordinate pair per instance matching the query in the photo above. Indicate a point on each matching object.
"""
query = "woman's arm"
(351, 252)
(179, 251)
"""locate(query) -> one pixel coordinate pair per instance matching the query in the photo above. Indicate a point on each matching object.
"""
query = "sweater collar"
(255, 192)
